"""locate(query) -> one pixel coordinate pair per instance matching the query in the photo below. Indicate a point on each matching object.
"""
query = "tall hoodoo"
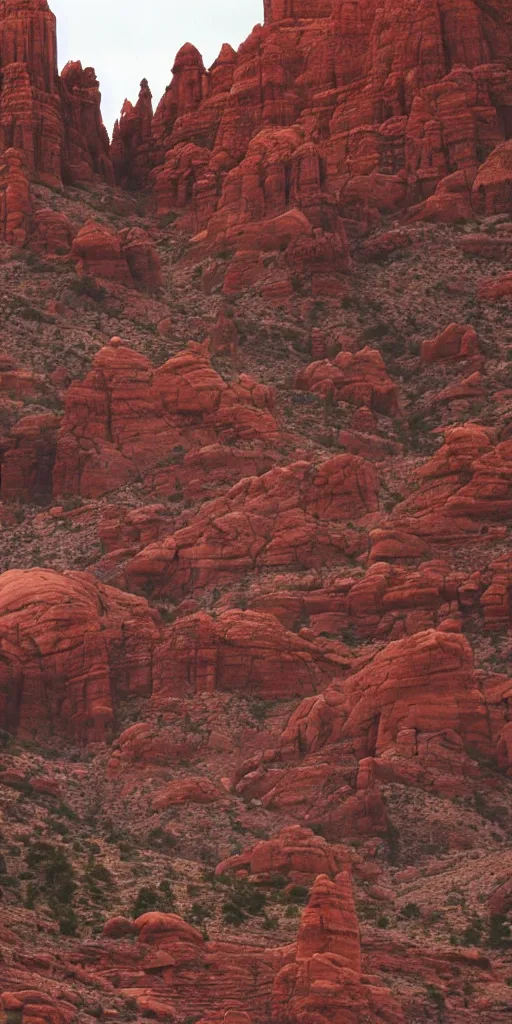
(30, 108)
(131, 141)
(55, 121)
(329, 923)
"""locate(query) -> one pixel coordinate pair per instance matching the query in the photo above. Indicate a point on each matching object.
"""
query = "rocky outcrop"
(52, 233)
(416, 695)
(86, 151)
(30, 1006)
(417, 714)
(359, 380)
(298, 515)
(142, 259)
(458, 341)
(194, 790)
(131, 141)
(69, 649)
(98, 253)
(329, 923)
(126, 419)
(322, 110)
(296, 853)
(55, 122)
(128, 258)
(15, 199)
(464, 490)
(325, 982)
(27, 457)
(244, 652)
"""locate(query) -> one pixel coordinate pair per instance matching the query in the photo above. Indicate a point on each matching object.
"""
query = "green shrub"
(198, 914)
(499, 932)
(298, 893)
(68, 921)
(232, 914)
(411, 911)
(472, 935)
(147, 899)
(89, 287)
(270, 924)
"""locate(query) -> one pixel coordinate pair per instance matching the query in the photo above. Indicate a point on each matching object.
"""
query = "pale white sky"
(126, 40)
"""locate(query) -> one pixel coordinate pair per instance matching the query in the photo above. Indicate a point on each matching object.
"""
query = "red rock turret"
(329, 923)
(324, 983)
(222, 70)
(131, 141)
(28, 35)
(55, 122)
(15, 201)
(30, 115)
(86, 143)
(183, 96)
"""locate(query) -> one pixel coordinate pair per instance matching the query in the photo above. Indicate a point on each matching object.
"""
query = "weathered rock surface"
(242, 652)
(359, 379)
(69, 649)
(325, 982)
(416, 695)
(456, 342)
(297, 515)
(55, 121)
(316, 678)
(128, 258)
(125, 419)
(297, 853)
(323, 104)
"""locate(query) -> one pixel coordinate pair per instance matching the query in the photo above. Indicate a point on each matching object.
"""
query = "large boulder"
(69, 650)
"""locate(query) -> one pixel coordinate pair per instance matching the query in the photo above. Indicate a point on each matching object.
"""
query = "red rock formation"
(359, 379)
(325, 982)
(143, 748)
(129, 257)
(33, 1007)
(329, 923)
(241, 652)
(86, 151)
(415, 698)
(186, 791)
(183, 96)
(496, 288)
(458, 341)
(465, 488)
(69, 648)
(379, 121)
(126, 418)
(30, 108)
(52, 233)
(56, 122)
(131, 141)
(27, 459)
(294, 515)
(142, 258)
(15, 200)
(492, 187)
(98, 252)
(297, 853)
